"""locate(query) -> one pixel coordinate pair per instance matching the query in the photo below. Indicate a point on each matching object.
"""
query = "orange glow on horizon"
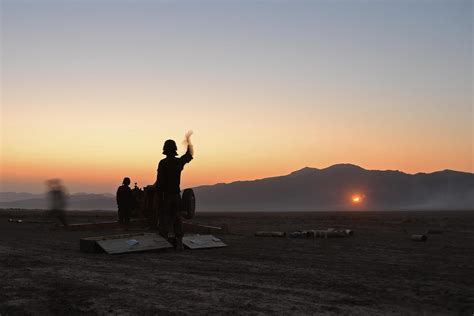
(92, 111)
(356, 199)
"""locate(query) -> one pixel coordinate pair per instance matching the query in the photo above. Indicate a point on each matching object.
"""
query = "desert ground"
(377, 271)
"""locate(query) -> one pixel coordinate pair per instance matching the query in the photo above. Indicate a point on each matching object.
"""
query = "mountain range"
(336, 188)
(339, 187)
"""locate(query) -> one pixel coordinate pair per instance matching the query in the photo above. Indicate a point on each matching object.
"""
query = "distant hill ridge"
(308, 189)
(76, 201)
(332, 188)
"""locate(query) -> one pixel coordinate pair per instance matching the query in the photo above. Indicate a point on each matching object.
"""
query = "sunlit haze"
(92, 89)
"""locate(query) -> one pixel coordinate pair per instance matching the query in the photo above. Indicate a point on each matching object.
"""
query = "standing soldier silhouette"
(125, 201)
(167, 184)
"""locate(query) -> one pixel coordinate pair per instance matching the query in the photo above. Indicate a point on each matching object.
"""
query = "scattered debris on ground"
(418, 237)
(270, 234)
(328, 233)
(13, 220)
(379, 272)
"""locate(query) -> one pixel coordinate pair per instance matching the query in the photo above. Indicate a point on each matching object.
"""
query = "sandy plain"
(377, 271)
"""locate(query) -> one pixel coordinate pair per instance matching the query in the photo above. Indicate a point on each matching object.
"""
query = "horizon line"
(269, 177)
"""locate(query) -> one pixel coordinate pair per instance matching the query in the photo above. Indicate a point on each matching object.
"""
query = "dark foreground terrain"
(376, 271)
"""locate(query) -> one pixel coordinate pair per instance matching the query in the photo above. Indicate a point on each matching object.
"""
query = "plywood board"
(142, 242)
(202, 241)
(89, 244)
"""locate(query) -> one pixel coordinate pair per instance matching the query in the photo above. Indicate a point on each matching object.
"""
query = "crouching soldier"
(167, 185)
(125, 201)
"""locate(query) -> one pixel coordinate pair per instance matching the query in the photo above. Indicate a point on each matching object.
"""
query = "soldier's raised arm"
(188, 156)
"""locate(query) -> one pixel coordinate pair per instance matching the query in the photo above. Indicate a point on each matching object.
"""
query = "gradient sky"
(92, 89)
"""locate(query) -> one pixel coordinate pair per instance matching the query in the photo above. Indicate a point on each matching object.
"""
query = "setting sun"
(356, 199)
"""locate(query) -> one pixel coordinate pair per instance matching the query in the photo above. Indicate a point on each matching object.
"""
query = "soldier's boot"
(179, 244)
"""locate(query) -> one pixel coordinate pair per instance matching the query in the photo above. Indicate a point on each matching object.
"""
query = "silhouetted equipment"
(270, 234)
(419, 237)
(188, 203)
(147, 204)
(138, 198)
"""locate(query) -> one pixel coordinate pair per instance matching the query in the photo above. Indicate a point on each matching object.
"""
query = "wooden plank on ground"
(202, 241)
(141, 242)
(195, 228)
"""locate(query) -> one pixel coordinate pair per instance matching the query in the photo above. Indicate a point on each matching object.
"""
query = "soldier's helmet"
(170, 148)
(126, 181)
